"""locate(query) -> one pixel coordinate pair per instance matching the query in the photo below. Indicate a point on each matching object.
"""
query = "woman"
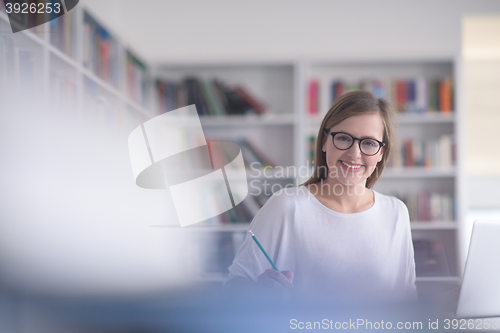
(334, 235)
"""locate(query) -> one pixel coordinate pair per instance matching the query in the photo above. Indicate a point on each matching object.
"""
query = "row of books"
(438, 153)
(137, 80)
(101, 52)
(212, 97)
(62, 33)
(430, 207)
(418, 95)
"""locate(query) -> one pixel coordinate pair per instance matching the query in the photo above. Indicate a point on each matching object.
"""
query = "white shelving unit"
(282, 132)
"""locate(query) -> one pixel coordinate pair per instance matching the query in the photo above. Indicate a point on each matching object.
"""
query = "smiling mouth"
(351, 166)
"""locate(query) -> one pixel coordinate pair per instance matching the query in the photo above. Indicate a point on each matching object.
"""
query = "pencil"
(263, 251)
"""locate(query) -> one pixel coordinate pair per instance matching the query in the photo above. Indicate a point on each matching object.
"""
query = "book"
(62, 33)
(313, 97)
(136, 74)
(445, 95)
(312, 148)
(426, 206)
(429, 152)
(213, 104)
(255, 104)
(401, 95)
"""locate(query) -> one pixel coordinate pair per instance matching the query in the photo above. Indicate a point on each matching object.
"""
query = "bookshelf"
(78, 64)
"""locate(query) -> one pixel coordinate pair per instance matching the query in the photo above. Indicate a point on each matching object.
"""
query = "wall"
(227, 30)
(481, 53)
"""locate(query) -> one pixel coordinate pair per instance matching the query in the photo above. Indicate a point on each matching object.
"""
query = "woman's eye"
(344, 138)
(370, 143)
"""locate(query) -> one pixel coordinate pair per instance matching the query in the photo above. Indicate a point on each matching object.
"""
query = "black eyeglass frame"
(380, 143)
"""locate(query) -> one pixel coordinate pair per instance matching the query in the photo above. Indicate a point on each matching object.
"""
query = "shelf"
(417, 172)
(429, 225)
(426, 118)
(403, 118)
(63, 56)
(247, 120)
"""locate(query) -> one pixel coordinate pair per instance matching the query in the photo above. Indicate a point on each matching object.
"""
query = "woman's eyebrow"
(363, 137)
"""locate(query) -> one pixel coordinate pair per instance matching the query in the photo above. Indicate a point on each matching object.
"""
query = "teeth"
(351, 166)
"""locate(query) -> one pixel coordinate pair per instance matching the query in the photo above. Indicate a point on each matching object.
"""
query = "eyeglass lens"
(345, 141)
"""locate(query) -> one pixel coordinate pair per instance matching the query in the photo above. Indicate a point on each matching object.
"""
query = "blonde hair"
(348, 105)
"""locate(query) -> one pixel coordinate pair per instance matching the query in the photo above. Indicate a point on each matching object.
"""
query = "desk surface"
(211, 309)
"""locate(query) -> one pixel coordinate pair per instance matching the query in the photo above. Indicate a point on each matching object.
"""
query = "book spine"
(257, 152)
(258, 106)
(313, 97)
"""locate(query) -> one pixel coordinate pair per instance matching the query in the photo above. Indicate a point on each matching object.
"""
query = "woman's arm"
(249, 262)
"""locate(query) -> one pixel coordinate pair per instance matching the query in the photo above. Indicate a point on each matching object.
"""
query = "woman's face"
(351, 166)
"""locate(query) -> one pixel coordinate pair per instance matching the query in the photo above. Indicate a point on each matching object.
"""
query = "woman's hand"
(276, 280)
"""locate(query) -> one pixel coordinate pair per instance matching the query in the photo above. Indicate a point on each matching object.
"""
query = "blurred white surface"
(72, 219)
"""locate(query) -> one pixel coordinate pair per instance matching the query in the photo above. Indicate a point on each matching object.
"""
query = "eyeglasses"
(367, 146)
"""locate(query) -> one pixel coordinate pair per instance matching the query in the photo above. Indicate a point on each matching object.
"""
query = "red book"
(445, 95)
(401, 95)
(339, 89)
(313, 97)
(408, 153)
(105, 60)
(255, 104)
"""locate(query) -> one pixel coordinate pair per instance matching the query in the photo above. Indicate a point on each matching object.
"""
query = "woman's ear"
(381, 154)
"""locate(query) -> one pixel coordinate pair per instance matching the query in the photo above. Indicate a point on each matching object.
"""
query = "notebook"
(480, 292)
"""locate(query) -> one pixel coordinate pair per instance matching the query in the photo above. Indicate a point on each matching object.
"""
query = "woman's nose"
(354, 152)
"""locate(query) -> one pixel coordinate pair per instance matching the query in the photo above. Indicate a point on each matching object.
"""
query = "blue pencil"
(263, 251)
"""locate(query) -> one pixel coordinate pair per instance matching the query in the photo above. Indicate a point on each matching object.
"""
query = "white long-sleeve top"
(365, 254)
